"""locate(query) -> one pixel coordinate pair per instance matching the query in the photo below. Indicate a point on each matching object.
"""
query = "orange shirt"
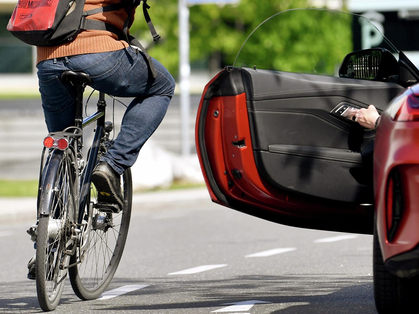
(90, 41)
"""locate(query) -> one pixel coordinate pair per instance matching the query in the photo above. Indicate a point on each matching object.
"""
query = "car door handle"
(345, 110)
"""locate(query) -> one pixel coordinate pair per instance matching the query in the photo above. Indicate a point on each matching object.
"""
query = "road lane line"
(272, 252)
(120, 291)
(242, 306)
(336, 239)
(198, 269)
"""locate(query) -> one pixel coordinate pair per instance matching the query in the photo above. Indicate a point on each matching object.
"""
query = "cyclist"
(118, 69)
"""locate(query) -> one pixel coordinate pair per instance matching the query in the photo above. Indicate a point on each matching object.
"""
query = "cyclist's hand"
(367, 117)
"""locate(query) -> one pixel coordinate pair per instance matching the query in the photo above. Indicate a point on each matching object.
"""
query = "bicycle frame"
(98, 116)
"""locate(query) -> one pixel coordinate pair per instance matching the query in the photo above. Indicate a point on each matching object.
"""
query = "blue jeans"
(122, 73)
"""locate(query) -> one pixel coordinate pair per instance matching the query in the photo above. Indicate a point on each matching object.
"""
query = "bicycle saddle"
(76, 78)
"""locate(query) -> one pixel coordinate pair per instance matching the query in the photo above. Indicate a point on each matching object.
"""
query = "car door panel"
(298, 141)
(269, 146)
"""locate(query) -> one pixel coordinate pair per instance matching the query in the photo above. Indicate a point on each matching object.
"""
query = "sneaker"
(108, 185)
(31, 268)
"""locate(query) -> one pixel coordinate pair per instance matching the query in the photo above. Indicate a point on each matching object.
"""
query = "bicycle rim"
(103, 241)
(54, 231)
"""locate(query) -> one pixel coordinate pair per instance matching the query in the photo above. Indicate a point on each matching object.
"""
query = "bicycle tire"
(105, 242)
(55, 223)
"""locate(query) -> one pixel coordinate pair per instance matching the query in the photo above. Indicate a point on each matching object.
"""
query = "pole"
(184, 70)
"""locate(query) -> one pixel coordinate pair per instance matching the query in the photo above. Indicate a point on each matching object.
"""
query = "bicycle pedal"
(108, 207)
(31, 269)
(31, 274)
(32, 232)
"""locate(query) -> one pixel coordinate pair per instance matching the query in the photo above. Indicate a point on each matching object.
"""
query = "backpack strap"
(87, 24)
(134, 42)
(92, 24)
(110, 7)
(156, 37)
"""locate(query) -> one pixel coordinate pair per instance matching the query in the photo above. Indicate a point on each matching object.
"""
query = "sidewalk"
(19, 209)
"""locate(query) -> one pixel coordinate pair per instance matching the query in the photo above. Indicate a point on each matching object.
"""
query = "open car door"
(279, 144)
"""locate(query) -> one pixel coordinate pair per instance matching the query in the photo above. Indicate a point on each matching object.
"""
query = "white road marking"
(272, 252)
(337, 238)
(198, 269)
(239, 306)
(119, 291)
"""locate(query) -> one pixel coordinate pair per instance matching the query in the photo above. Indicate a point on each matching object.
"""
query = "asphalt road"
(192, 256)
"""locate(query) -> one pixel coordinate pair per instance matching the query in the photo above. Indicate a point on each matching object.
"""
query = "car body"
(278, 145)
(396, 177)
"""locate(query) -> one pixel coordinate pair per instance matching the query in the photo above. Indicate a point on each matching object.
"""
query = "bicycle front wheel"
(103, 240)
(55, 227)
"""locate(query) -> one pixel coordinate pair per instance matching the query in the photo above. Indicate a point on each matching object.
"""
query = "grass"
(18, 188)
(179, 184)
(176, 185)
(8, 96)
(29, 188)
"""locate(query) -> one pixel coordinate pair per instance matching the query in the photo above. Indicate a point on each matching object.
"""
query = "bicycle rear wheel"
(55, 227)
(103, 240)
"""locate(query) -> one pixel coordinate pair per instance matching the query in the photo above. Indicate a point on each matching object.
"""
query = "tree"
(218, 32)
(304, 41)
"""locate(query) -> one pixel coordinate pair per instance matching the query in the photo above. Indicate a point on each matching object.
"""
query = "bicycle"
(77, 237)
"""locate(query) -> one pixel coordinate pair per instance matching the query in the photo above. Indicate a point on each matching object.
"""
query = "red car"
(278, 142)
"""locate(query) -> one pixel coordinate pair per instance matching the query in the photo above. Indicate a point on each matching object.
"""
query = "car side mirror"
(370, 64)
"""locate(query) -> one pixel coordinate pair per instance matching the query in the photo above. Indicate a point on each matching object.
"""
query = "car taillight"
(405, 108)
(60, 143)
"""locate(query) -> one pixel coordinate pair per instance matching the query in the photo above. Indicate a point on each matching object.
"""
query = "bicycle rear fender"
(48, 186)
(48, 183)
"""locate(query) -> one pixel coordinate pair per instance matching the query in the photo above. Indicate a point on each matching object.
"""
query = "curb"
(19, 209)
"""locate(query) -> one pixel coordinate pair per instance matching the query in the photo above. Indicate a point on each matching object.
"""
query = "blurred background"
(199, 38)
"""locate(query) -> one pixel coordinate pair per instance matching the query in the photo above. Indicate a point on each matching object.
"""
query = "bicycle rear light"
(60, 143)
(48, 142)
